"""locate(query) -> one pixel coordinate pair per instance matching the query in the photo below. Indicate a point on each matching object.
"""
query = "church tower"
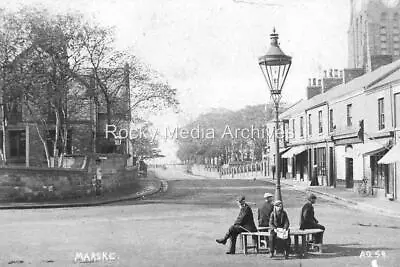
(374, 33)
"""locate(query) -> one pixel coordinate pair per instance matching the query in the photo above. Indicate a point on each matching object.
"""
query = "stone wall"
(37, 184)
(47, 184)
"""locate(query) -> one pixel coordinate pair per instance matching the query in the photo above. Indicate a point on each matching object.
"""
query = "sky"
(209, 49)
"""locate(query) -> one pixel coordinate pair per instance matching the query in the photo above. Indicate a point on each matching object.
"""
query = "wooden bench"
(244, 241)
(305, 237)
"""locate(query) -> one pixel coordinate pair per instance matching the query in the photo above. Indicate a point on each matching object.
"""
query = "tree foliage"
(53, 64)
(235, 134)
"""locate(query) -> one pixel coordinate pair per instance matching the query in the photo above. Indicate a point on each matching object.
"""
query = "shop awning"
(392, 156)
(365, 150)
(293, 151)
(371, 148)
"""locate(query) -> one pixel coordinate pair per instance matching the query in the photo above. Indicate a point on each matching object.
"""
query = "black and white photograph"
(169, 133)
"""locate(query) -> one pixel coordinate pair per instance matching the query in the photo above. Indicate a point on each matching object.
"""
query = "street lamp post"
(275, 66)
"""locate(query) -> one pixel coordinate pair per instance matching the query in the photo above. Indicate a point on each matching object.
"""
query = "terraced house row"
(348, 132)
(348, 128)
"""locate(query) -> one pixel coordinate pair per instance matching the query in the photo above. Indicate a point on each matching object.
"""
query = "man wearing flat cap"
(308, 221)
(244, 222)
(265, 211)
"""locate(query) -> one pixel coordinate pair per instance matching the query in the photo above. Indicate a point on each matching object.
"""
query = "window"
(397, 110)
(349, 115)
(320, 128)
(381, 114)
(309, 125)
(17, 144)
(293, 128)
(331, 120)
(320, 160)
(301, 126)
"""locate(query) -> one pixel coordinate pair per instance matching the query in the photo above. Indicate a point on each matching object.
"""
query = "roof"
(393, 77)
(378, 76)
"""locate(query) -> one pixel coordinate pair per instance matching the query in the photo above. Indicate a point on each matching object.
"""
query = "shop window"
(320, 160)
(380, 172)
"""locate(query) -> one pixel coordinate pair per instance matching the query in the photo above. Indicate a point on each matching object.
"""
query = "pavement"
(143, 188)
(348, 197)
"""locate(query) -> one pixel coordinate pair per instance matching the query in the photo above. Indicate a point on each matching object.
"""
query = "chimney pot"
(341, 73)
(325, 73)
(336, 73)
(309, 82)
(314, 81)
(319, 82)
(330, 73)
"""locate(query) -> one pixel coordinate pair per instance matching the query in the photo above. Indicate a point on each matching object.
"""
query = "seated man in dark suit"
(308, 221)
(244, 222)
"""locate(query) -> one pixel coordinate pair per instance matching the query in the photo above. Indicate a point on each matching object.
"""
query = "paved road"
(178, 228)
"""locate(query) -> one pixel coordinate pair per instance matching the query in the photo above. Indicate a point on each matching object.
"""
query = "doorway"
(349, 173)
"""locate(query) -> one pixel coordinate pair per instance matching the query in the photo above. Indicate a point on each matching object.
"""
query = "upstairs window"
(301, 126)
(349, 115)
(381, 114)
(320, 127)
(397, 110)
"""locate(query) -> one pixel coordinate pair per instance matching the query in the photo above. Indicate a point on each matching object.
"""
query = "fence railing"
(247, 170)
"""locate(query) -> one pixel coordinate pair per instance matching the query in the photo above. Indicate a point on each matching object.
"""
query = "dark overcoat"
(264, 214)
(307, 219)
(245, 219)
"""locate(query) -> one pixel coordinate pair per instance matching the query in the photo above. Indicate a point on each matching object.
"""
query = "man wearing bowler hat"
(265, 211)
(244, 222)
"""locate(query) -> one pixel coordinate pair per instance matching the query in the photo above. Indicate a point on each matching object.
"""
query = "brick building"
(84, 121)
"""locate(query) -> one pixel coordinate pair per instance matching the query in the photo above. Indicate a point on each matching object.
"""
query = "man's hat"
(278, 202)
(267, 195)
(240, 198)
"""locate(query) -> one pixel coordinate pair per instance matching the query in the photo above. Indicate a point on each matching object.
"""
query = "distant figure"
(244, 222)
(98, 185)
(308, 221)
(264, 212)
(279, 220)
(314, 176)
(273, 168)
(142, 168)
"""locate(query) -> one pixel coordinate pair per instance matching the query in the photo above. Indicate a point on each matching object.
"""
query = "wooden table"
(296, 233)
